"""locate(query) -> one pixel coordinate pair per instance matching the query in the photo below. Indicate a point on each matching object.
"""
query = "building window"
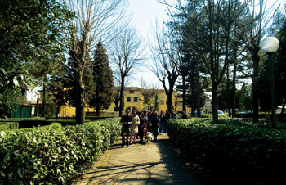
(131, 91)
(161, 102)
(128, 99)
(135, 99)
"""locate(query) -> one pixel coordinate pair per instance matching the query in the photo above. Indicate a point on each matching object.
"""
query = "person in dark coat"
(173, 115)
(184, 116)
(142, 128)
(163, 123)
(155, 124)
(168, 115)
(126, 120)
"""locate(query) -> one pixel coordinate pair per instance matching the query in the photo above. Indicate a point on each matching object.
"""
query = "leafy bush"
(53, 154)
(233, 151)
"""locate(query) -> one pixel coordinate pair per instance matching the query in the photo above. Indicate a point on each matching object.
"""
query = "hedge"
(233, 153)
(34, 122)
(54, 154)
(8, 125)
(37, 121)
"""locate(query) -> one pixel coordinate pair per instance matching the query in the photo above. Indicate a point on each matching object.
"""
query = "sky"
(145, 13)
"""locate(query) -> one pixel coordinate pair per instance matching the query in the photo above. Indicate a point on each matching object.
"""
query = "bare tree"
(126, 54)
(166, 62)
(95, 20)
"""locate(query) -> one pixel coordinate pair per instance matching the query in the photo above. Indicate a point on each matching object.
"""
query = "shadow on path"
(154, 163)
(182, 173)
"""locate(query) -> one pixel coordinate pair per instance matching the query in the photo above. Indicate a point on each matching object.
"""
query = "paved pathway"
(154, 163)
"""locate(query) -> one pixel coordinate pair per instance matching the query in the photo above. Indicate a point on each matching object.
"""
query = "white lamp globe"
(269, 44)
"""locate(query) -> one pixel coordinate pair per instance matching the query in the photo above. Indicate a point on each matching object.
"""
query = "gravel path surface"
(153, 163)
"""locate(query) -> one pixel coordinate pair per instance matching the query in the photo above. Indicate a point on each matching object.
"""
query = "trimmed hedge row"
(8, 125)
(34, 122)
(233, 153)
(54, 154)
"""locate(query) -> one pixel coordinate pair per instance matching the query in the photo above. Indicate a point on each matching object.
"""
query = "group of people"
(138, 124)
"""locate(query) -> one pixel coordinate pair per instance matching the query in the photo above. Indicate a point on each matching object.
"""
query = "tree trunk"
(38, 107)
(172, 77)
(44, 104)
(169, 100)
(184, 90)
(233, 90)
(97, 106)
(121, 98)
(97, 110)
(282, 111)
(214, 101)
(228, 93)
(80, 115)
(213, 68)
(255, 59)
(193, 89)
(198, 89)
(232, 95)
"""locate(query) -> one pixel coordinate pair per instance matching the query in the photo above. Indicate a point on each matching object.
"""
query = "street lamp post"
(270, 45)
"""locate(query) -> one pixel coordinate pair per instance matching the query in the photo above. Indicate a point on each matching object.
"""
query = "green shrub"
(233, 149)
(53, 154)
(8, 126)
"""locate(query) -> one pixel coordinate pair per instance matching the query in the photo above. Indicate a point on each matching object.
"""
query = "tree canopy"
(103, 79)
(31, 40)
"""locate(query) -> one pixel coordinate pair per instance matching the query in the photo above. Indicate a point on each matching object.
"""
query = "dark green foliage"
(10, 98)
(31, 42)
(54, 154)
(59, 87)
(213, 35)
(103, 80)
(233, 152)
(243, 99)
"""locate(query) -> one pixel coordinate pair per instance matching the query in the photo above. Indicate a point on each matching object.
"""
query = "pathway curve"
(154, 163)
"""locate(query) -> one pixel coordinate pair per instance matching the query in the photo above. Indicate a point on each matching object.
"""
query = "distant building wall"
(133, 97)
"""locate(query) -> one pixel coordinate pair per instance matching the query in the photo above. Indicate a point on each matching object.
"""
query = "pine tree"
(103, 79)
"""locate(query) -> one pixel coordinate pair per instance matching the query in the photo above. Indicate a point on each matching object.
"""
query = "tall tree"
(262, 13)
(103, 79)
(212, 21)
(126, 52)
(280, 78)
(277, 30)
(95, 19)
(166, 59)
(31, 33)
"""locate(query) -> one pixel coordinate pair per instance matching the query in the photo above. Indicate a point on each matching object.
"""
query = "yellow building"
(133, 99)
